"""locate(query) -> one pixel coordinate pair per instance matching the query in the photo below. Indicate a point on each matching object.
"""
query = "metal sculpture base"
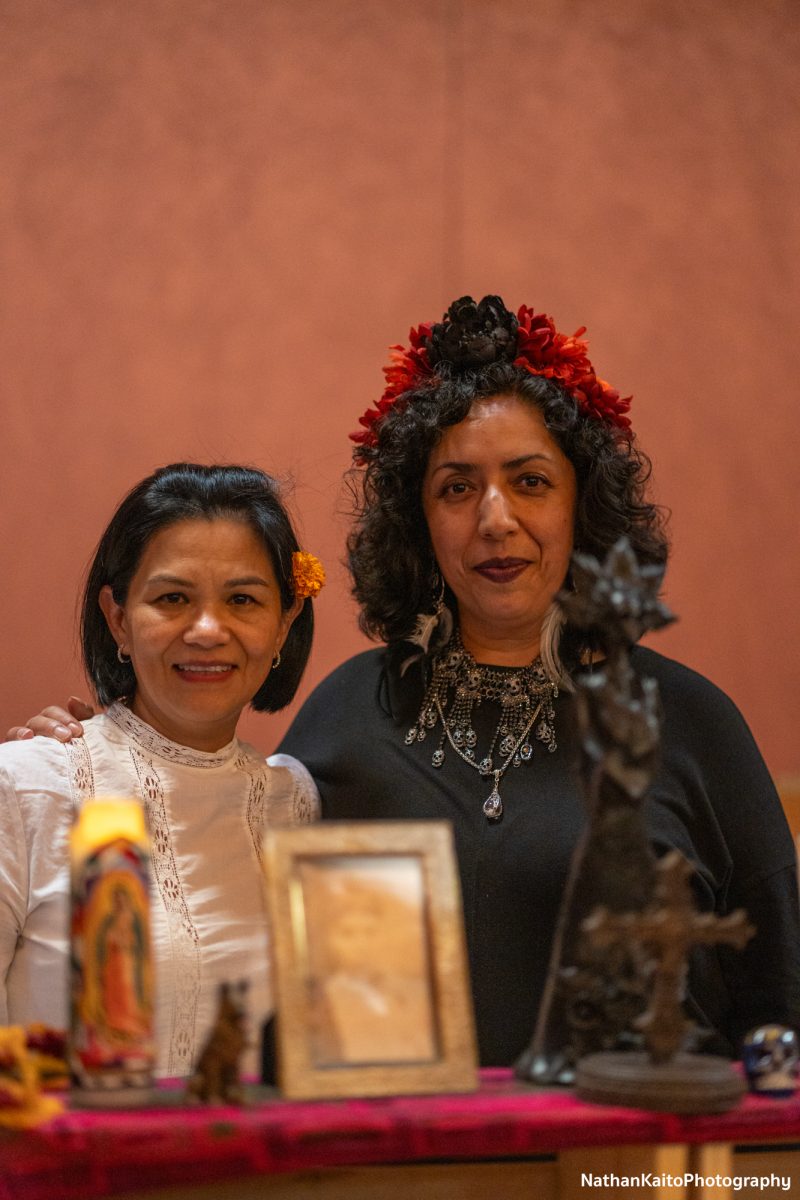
(689, 1083)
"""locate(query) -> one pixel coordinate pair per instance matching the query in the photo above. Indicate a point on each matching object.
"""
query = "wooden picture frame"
(369, 961)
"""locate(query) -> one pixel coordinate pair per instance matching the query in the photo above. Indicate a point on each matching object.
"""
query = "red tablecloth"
(82, 1155)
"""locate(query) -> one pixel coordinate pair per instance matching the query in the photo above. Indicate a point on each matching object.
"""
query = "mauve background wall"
(217, 214)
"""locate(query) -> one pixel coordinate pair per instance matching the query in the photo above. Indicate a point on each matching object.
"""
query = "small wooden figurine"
(216, 1075)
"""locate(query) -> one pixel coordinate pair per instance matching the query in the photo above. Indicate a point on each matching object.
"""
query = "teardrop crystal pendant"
(493, 805)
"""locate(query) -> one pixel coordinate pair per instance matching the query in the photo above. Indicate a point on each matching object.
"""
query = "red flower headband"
(540, 349)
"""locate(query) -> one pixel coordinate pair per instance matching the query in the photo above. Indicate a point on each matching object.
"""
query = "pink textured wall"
(216, 215)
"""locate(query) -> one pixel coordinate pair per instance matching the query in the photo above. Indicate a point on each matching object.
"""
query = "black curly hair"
(389, 549)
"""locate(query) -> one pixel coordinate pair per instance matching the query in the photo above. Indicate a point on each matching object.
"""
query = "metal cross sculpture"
(592, 997)
(666, 931)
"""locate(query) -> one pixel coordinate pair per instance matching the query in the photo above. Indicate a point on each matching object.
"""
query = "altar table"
(506, 1141)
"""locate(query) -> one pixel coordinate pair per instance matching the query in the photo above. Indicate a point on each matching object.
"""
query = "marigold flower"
(308, 574)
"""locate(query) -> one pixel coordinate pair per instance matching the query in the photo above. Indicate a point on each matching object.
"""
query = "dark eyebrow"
(524, 458)
(469, 468)
(243, 581)
(171, 579)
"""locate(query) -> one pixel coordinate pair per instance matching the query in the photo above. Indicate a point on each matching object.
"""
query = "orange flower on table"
(308, 573)
(22, 1105)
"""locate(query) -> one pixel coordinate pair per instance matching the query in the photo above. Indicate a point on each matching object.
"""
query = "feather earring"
(438, 622)
(427, 623)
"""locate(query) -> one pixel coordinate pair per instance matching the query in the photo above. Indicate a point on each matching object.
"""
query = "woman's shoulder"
(681, 685)
(33, 762)
(36, 795)
(348, 688)
(353, 673)
(43, 772)
(280, 769)
(700, 720)
(341, 710)
(292, 794)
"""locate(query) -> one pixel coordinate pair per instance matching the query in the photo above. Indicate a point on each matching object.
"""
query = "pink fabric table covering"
(82, 1155)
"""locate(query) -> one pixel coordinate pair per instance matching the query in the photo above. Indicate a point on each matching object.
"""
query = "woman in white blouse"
(197, 603)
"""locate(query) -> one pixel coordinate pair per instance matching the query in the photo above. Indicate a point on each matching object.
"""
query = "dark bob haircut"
(390, 554)
(180, 492)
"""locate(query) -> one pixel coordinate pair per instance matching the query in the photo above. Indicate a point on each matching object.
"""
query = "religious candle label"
(112, 1045)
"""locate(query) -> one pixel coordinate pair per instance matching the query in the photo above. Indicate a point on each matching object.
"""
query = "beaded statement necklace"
(457, 685)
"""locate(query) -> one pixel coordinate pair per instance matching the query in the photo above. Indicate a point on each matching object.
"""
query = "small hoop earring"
(122, 657)
(276, 662)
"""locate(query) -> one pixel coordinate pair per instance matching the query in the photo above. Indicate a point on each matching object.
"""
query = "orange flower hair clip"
(308, 574)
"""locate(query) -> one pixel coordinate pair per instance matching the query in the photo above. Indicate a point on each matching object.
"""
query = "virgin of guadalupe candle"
(112, 1043)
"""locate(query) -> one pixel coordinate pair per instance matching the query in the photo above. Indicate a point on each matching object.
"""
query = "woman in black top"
(493, 454)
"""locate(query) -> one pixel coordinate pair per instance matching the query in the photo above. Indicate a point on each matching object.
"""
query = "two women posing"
(494, 452)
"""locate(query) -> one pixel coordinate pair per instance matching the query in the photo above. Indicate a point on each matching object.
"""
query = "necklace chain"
(525, 696)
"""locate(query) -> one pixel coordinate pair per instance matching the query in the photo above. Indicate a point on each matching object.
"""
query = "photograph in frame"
(369, 963)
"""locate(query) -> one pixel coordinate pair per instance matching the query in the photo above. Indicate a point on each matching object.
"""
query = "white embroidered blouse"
(206, 813)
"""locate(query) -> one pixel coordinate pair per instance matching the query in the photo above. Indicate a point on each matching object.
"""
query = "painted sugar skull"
(771, 1056)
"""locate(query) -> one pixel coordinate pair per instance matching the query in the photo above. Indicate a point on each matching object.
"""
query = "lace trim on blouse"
(155, 743)
(305, 804)
(256, 796)
(81, 775)
(183, 934)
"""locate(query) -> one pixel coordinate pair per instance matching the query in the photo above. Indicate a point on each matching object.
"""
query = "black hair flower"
(474, 335)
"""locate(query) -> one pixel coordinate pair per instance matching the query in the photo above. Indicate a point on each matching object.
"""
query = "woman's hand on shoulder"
(63, 724)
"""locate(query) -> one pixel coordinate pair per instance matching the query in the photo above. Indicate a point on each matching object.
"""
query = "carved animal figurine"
(216, 1075)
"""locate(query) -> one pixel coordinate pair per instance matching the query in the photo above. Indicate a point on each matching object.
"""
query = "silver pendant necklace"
(525, 696)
